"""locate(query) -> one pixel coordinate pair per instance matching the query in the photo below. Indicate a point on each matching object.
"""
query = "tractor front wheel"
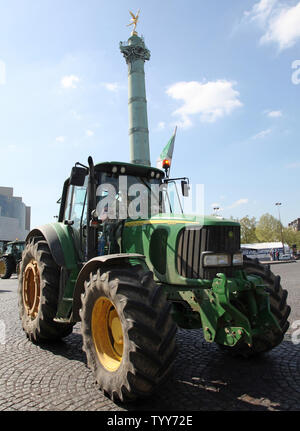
(128, 332)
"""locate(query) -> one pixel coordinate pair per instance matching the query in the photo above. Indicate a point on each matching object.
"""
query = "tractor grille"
(192, 241)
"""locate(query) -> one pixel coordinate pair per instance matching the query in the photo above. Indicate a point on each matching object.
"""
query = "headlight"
(237, 259)
(216, 260)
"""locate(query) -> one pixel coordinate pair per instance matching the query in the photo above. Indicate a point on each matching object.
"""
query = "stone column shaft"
(136, 54)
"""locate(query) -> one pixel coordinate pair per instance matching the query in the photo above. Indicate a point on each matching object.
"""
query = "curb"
(277, 262)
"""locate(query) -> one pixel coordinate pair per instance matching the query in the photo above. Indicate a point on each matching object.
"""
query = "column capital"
(134, 49)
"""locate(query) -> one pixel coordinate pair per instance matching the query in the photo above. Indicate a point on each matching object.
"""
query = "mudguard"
(93, 265)
(62, 243)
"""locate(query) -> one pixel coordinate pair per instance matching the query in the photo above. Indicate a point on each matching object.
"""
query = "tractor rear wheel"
(278, 306)
(38, 293)
(6, 268)
(128, 332)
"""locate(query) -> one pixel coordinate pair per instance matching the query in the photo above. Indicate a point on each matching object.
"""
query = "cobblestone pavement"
(55, 377)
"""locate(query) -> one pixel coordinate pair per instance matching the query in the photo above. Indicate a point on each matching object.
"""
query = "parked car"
(286, 256)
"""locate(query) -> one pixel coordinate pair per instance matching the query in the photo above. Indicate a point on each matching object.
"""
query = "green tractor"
(10, 259)
(132, 282)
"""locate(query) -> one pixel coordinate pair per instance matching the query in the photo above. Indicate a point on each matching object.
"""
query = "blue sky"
(222, 71)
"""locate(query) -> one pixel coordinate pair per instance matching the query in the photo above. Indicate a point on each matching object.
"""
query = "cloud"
(69, 81)
(89, 133)
(238, 203)
(161, 125)
(210, 100)
(294, 165)
(274, 114)
(60, 139)
(111, 86)
(261, 11)
(262, 134)
(284, 28)
(76, 115)
(280, 22)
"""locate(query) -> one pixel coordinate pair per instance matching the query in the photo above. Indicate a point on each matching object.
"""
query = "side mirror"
(185, 187)
(77, 176)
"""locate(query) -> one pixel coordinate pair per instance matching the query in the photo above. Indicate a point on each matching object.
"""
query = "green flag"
(167, 152)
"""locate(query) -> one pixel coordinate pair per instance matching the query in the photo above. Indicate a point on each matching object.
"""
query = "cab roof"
(15, 242)
(130, 168)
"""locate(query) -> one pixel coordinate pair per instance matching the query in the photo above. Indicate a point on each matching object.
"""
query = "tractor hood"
(174, 244)
(182, 219)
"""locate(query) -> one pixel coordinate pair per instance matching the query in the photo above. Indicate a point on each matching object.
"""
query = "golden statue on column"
(134, 20)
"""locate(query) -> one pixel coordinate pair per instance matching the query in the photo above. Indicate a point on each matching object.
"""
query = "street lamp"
(278, 204)
(216, 209)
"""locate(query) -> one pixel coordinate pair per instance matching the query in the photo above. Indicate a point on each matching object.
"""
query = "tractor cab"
(98, 200)
(15, 249)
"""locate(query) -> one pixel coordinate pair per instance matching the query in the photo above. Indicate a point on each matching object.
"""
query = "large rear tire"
(6, 268)
(128, 332)
(278, 306)
(38, 293)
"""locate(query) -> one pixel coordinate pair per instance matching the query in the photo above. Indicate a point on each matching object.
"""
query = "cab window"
(76, 205)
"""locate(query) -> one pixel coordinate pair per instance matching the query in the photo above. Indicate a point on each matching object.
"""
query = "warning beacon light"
(166, 164)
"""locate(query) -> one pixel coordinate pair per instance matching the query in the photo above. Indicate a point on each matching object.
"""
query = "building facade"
(295, 224)
(14, 216)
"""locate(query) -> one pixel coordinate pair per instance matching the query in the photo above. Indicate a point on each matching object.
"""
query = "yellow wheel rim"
(2, 268)
(31, 289)
(107, 334)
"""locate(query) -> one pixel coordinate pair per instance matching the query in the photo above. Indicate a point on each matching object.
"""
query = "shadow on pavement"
(204, 378)
(207, 379)
(69, 347)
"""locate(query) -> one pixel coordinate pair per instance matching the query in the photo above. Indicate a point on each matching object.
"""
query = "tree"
(268, 229)
(291, 237)
(248, 226)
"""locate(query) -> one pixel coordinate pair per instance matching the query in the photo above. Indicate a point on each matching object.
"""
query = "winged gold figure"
(134, 19)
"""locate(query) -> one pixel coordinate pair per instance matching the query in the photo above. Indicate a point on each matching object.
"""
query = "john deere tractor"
(10, 259)
(132, 277)
(131, 283)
